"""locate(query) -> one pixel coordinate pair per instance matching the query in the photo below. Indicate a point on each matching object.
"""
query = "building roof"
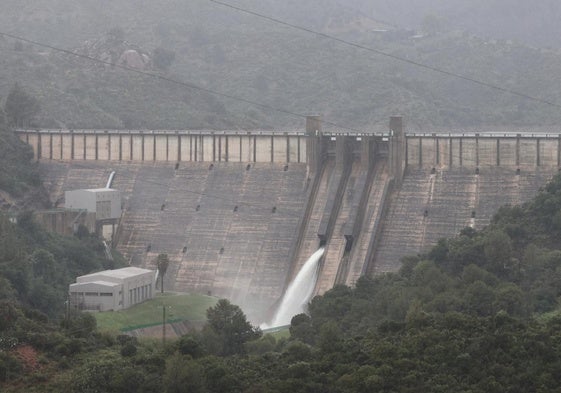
(100, 190)
(97, 282)
(125, 272)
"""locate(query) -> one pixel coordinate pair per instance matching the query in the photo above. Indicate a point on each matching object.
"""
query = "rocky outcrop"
(134, 59)
(114, 50)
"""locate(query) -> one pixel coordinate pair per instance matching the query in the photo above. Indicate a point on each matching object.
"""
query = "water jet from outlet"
(298, 293)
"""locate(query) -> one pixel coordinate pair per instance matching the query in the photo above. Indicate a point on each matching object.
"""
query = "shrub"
(128, 350)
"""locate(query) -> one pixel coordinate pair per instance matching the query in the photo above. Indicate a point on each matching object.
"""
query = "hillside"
(295, 73)
(236, 54)
(20, 183)
(534, 24)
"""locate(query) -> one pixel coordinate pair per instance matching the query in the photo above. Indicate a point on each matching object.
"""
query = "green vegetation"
(229, 328)
(21, 107)
(180, 307)
(18, 175)
(36, 267)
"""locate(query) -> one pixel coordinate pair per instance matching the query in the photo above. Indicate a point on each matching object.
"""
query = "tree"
(80, 325)
(21, 107)
(498, 250)
(128, 350)
(45, 297)
(183, 375)
(432, 24)
(301, 329)
(9, 314)
(330, 337)
(190, 345)
(105, 373)
(2, 119)
(162, 262)
(18, 46)
(116, 35)
(43, 264)
(229, 323)
(163, 58)
(6, 290)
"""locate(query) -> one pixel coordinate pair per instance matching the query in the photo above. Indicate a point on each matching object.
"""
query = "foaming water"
(298, 293)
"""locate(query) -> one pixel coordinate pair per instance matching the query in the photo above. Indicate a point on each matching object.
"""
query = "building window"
(92, 294)
(105, 294)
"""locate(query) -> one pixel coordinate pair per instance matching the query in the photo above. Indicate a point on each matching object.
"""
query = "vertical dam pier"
(239, 212)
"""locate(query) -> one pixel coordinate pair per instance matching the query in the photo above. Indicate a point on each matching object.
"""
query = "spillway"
(377, 199)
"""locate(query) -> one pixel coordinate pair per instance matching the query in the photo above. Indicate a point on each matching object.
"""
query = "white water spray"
(110, 180)
(298, 293)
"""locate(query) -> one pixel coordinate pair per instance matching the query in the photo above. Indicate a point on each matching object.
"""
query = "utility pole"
(164, 322)
(164, 325)
(67, 310)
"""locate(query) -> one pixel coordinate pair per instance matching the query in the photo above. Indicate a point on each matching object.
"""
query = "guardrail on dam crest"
(417, 150)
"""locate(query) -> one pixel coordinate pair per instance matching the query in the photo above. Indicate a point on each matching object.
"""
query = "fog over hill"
(532, 23)
(223, 50)
(64, 21)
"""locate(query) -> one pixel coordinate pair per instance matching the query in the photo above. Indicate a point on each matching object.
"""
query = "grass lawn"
(283, 333)
(180, 307)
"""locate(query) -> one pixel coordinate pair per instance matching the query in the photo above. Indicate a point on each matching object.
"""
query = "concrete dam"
(239, 212)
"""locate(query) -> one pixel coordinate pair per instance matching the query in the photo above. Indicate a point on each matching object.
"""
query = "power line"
(386, 54)
(173, 81)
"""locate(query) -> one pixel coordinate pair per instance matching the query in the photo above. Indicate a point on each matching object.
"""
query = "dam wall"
(458, 180)
(239, 212)
(434, 204)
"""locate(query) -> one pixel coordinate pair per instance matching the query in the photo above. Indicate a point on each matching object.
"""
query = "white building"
(112, 289)
(104, 202)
